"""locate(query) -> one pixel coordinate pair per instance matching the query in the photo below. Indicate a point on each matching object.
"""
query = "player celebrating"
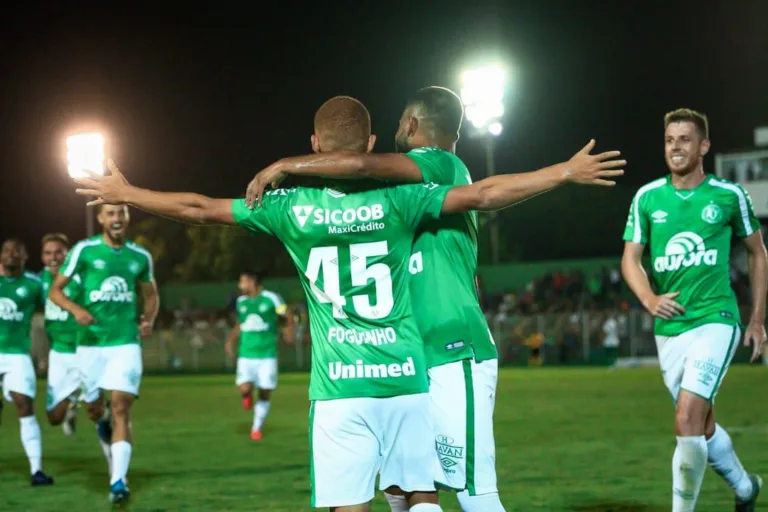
(351, 245)
(687, 218)
(62, 329)
(20, 294)
(111, 270)
(258, 312)
(461, 355)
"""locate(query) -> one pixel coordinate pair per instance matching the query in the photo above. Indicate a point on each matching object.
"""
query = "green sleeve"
(435, 165)
(74, 262)
(259, 220)
(743, 218)
(418, 204)
(147, 274)
(636, 229)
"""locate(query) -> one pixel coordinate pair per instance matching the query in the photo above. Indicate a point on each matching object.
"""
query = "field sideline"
(567, 439)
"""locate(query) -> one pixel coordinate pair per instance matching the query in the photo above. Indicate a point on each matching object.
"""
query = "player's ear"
(412, 126)
(371, 143)
(315, 143)
(705, 145)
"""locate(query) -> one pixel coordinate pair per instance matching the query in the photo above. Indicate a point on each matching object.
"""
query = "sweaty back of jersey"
(689, 236)
(352, 249)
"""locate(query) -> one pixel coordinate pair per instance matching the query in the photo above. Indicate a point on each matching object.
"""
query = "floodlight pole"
(490, 165)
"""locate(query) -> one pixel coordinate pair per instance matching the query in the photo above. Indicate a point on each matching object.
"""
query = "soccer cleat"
(247, 402)
(41, 478)
(256, 435)
(118, 492)
(749, 504)
(70, 419)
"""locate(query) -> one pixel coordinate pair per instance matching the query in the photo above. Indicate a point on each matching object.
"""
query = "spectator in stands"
(611, 337)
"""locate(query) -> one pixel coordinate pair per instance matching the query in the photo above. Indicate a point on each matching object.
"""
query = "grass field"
(581, 439)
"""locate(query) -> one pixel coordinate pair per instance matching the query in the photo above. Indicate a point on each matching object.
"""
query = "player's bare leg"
(65, 412)
(420, 501)
(365, 507)
(396, 499)
(121, 444)
(99, 414)
(246, 395)
(31, 438)
(723, 460)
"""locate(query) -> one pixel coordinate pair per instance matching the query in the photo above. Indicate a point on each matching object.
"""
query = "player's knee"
(121, 409)
(690, 419)
(56, 417)
(95, 411)
(24, 405)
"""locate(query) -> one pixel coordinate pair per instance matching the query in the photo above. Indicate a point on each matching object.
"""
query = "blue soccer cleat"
(118, 492)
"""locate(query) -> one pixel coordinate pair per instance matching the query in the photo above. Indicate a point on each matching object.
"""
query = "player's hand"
(665, 306)
(229, 349)
(588, 169)
(83, 317)
(755, 335)
(108, 189)
(272, 175)
(145, 327)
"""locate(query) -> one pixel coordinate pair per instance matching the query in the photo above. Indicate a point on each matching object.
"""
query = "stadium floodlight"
(482, 92)
(85, 152)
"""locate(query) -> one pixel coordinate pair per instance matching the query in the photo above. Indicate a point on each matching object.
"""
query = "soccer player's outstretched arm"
(182, 206)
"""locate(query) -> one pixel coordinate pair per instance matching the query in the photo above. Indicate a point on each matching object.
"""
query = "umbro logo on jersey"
(302, 213)
(659, 216)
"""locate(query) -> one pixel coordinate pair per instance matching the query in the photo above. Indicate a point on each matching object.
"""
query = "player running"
(687, 218)
(62, 329)
(20, 293)
(461, 354)
(112, 270)
(258, 314)
(351, 245)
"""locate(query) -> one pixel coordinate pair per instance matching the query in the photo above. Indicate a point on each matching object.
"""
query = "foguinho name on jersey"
(370, 337)
(685, 250)
(361, 370)
(350, 220)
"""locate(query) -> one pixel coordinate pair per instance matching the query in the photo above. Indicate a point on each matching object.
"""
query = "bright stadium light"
(495, 128)
(482, 92)
(85, 152)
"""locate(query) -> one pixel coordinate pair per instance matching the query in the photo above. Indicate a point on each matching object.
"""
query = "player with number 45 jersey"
(351, 243)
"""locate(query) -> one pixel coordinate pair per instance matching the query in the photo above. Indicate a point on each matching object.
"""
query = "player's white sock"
(396, 503)
(688, 466)
(722, 458)
(121, 459)
(32, 442)
(260, 412)
(483, 503)
(426, 507)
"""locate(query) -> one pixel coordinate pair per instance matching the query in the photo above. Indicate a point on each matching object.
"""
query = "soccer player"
(351, 244)
(20, 293)
(687, 218)
(62, 329)
(112, 270)
(461, 354)
(258, 313)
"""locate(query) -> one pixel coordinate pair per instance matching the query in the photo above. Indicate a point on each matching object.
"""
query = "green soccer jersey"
(444, 265)
(19, 296)
(352, 251)
(109, 279)
(689, 233)
(60, 325)
(258, 317)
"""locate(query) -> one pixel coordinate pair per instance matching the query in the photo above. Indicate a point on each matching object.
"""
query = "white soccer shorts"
(697, 360)
(463, 395)
(261, 372)
(117, 368)
(63, 377)
(353, 439)
(18, 375)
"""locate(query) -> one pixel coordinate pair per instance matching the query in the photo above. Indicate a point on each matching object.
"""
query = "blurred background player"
(20, 294)
(61, 329)
(258, 314)
(112, 270)
(687, 219)
(461, 354)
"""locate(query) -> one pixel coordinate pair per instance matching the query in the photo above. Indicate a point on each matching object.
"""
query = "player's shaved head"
(432, 117)
(439, 109)
(342, 124)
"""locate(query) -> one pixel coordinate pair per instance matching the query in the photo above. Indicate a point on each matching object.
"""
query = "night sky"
(201, 101)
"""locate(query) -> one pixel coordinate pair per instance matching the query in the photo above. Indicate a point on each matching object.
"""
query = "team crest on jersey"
(133, 267)
(431, 186)
(712, 214)
(22, 292)
(263, 308)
